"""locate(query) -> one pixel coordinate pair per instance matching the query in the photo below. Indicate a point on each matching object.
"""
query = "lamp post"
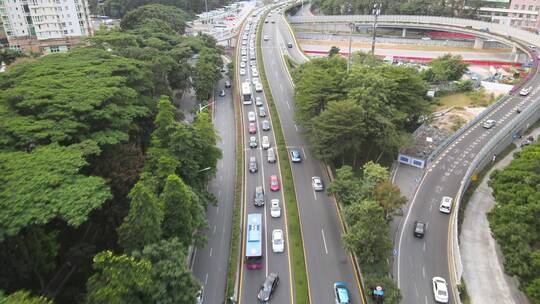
(376, 12)
(350, 40)
(204, 107)
(205, 169)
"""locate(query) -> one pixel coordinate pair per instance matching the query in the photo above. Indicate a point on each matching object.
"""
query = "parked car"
(268, 287)
(295, 156)
(446, 205)
(490, 123)
(274, 183)
(253, 165)
(278, 243)
(440, 290)
(259, 196)
(317, 183)
(275, 209)
(419, 229)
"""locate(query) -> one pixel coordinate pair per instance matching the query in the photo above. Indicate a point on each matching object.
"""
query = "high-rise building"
(45, 26)
(517, 13)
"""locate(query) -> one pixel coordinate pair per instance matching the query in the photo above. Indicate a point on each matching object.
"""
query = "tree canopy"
(445, 68)
(142, 15)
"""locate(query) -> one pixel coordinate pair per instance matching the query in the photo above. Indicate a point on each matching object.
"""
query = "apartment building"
(45, 26)
(517, 13)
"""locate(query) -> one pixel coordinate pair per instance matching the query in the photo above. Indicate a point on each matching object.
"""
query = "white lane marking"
(214, 232)
(304, 151)
(219, 193)
(315, 194)
(424, 247)
(296, 127)
(206, 279)
(324, 241)
(424, 271)
(425, 297)
(217, 210)
(288, 105)
(210, 251)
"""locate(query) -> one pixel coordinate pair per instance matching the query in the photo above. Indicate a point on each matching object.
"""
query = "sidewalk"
(483, 269)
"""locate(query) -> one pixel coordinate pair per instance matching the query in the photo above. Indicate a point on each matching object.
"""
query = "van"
(271, 155)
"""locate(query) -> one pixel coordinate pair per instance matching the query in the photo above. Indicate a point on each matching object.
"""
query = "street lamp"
(204, 107)
(350, 40)
(376, 12)
(205, 169)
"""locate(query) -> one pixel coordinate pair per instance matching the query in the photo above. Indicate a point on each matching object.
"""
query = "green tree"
(183, 213)
(172, 281)
(367, 59)
(8, 56)
(533, 291)
(334, 50)
(391, 291)
(172, 16)
(207, 73)
(142, 225)
(446, 68)
(45, 184)
(389, 197)
(336, 134)
(373, 175)
(367, 236)
(23, 297)
(346, 187)
(118, 279)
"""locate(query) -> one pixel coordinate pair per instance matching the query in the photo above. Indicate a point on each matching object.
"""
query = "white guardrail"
(501, 140)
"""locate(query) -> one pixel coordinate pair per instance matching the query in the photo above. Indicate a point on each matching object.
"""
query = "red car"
(252, 128)
(274, 183)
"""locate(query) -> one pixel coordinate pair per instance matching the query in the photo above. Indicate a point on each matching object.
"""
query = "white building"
(45, 25)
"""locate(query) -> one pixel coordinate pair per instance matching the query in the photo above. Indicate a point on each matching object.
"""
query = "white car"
(265, 38)
(255, 73)
(525, 91)
(200, 296)
(258, 101)
(278, 243)
(488, 124)
(244, 52)
(258, 87)
(265, 142)
(244, 58)
(242, 72)
(275, 209)
(251, 116)
(242, 64)
(446, 205)
(317, 183)
(262, 112)
(244, 41)
(440, 290)
(255, 80)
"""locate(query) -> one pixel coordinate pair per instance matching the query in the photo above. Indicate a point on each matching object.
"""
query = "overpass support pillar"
(403, 33)
(514, 54)
(478, 43)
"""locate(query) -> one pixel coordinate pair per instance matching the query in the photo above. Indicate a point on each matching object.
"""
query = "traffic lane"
(321, 276)
(210, 270)
(287, 37)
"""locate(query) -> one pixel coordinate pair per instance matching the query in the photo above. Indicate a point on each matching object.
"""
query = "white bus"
(247, 96)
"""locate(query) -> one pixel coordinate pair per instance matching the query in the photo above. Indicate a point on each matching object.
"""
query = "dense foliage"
(450, 8)
(445, 68)
(118, 8)
(366, 214)
(365, 114)
(514, 219)
(103, 188)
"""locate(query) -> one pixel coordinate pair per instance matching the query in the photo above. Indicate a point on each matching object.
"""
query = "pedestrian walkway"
(483, 267)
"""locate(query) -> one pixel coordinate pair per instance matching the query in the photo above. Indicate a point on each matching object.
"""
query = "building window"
(530, 7)
(523, 7)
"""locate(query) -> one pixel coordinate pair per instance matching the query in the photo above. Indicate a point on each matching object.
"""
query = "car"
(426, 38)
(258, 87)
(440, 290)
(519, 109)
(222, 93)
(446, 205)
(289, 45)
(242, 72)
(488, 124)
(244, 52)
(341, 293)
(251, 116)
(252, 56)
(525, 91)
(244, 41)
(271, 155)
(278, 244)
(242, 64)
(274, 183)
(262, 112)
(253, 165)
(265, 21)
(253, 142)
(265, 125)
(317, 183)
(265, 142)
(275, 209)
(296, 156)
(273, 21)
(255, 80)
(259, 196)
(268, 287)
(527, 141)
(254, 72)
(200, 296)
(265, 38)
(419, 229)
(252, 128)
(258, 101)
(253, 63)
(227, 84)
(244, 58)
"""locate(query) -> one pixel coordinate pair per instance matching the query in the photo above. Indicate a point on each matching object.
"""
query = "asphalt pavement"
(210, 262)
(327, 260)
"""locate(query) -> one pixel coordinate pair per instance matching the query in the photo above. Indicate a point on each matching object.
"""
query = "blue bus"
(254, 241)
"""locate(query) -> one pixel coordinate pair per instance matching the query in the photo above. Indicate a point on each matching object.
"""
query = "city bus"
(254, 241)
(247, 96)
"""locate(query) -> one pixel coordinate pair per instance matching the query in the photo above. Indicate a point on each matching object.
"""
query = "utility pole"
(350, 40)
(376, 12)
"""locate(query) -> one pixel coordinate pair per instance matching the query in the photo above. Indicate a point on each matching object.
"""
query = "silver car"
(258, 101)
(265, 125)
(253, 142)
(490, 123)
(317, 183)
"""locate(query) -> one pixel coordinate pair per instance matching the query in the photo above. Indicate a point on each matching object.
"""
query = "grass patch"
(296, 245)
(476, 98)
(234, 254)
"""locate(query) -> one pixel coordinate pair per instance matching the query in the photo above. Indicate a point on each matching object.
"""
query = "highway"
(326, 259)
(210, 262)
(278, 263)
